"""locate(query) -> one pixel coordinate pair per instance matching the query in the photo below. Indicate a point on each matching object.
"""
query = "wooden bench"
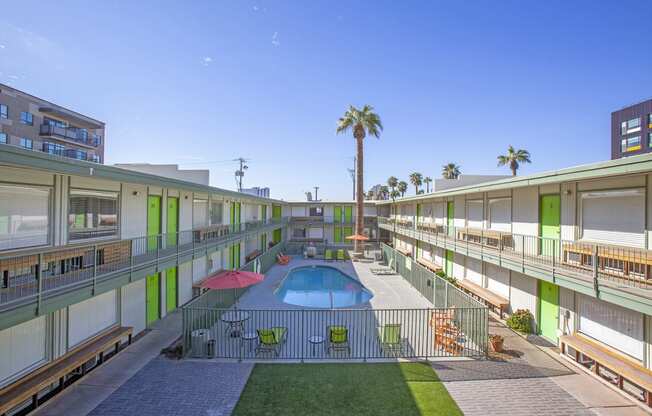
(486, 295)
(406, 253)
(612, 259)
(623, 367)
(429, 265)
(56, 371)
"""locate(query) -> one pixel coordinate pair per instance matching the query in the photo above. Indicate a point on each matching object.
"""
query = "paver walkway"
(527, 381)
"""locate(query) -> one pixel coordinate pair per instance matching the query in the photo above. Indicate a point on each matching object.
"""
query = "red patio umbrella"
(232, 279)
(358, 237)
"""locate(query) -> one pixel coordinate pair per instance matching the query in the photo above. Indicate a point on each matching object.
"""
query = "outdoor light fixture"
(135, 193)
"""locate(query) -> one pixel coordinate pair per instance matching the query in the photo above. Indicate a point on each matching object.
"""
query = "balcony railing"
(589, 261)
(36, 274)
(70, 133)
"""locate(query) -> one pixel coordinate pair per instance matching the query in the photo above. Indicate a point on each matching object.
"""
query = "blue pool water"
(321, 287)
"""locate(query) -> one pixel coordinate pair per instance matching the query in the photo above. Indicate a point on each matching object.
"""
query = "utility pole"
(239, 174)
(316, 189)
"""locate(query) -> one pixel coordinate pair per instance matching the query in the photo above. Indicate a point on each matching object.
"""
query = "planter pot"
(497, 345)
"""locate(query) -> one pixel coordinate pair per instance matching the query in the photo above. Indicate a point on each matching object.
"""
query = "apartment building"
(87, 247)
(328, 223)
(571, 246)
(631, 130)
(36, 124)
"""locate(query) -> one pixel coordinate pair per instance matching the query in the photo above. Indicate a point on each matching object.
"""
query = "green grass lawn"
(345, 389)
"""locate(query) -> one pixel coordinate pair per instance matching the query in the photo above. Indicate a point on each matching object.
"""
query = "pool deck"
(390, 291)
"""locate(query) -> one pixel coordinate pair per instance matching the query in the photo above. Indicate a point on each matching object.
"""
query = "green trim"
(152, 299)
(172, 225)
(548, 310)
(171, 289)
(153, 221)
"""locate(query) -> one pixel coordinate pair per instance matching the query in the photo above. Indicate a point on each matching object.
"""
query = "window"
(53, 148)
(24, 216)
(630, 126)
(649, 140)
(26, 143)
(630, 144)
(316, 211)
(97, 139)
(4, 111)
(94, 158)
(92, 214)
(649, 120)
(199, 213)
(299, 233)
(614, 216)
(217, 212)
(26, 118)
(55, 123)
(76, 154)
(3, 138)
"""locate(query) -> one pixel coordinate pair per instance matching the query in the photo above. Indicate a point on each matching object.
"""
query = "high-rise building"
(36, 124)
(631, 130)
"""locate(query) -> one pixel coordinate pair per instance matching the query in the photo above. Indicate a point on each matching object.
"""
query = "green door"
(418, 250)
(550, 223)
(172, 227)
(348, 215)
(234, 255)
(277, 236)
(263, 242)
(171, 289)
(450, 217)
(235, 216)
(263, 213)
(337, 234)
(548, 310)
(418, 214)
(347, 232)
(276, 212)
(153, 294)
(153, 221)
(337, 215)
(450, 256)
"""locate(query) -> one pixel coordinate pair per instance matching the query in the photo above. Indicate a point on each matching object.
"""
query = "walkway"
(525, 380)
(83, 396)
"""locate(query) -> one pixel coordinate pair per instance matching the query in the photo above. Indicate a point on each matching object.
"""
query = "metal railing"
(331, 334)
(457, 325)
(70, 133)
(35, 274)
(583, 260)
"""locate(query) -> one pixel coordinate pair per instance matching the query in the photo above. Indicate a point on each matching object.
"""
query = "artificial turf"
(345, 389)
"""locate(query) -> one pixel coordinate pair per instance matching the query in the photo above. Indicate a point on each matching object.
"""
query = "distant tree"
(416, 179)
(394, 194)
(450, 171)
(384, 192)
(427, 180)
(514, 158)
(402, 188)
(392, 182)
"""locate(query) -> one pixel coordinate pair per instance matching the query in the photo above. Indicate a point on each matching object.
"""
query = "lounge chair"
(328, 255)
(271, 340)
(389, 270)
(282, 260)
(338, 339)
(340, 254)
(389, 337)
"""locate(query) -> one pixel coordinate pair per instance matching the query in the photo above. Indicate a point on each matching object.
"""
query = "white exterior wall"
(458, 266)
(23, 348)
(92, 316)
(132, 305)
(525, 211)
(198, 269)
(523, 293)
(185, 282)
(133, 212)
(567, 311)
(497, 279)
(185, 211)
(460, 211)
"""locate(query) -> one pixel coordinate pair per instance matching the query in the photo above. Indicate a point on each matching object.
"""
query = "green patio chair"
(389, 337)
(340, 254)
(271, 340)
(338, 339)
(328, 255)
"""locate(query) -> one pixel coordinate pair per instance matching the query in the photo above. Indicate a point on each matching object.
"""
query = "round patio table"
(315, 340)
(249, 337)
(235, 322)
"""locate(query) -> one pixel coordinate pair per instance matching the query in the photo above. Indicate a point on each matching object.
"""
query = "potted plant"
(496, 342)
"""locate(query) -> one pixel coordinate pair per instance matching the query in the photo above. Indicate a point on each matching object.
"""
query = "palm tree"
(394, 194)
(363, 122)
(402, 187)
(384, 192)
(450, 171)
(392, 182)
(427, 180)
(416, 179)
(514, 158)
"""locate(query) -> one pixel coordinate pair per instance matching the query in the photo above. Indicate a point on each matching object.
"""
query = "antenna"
(316, 189)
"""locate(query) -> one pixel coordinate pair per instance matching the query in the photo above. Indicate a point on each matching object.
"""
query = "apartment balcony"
(36, 276)
(593, 266)
(73, 135)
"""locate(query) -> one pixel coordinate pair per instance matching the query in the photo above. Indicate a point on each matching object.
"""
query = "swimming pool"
(321, 287)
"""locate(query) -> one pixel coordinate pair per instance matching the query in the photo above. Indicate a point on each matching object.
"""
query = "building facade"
(631, 130)
(86, 247)
(571, 246)
(36, 124)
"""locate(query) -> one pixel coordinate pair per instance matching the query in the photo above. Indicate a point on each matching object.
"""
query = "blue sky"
(201, 83)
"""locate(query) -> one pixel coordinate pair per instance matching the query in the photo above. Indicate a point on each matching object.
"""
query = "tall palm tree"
(394, 194)
(362, 122)
(402, 188)
(392, 182)
(450, 171)
(514, 158)
(416, 179)
(427, 180)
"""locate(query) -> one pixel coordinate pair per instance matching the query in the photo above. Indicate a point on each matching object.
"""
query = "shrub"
(521, 321)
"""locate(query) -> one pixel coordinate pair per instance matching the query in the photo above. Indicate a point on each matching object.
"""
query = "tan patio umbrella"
(358, 237)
